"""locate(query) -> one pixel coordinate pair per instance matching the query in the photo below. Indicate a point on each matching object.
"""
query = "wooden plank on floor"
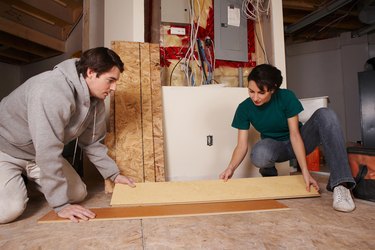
(176, 210)
(204, 191)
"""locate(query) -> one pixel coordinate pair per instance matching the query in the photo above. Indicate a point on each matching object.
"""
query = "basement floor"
(310, 223)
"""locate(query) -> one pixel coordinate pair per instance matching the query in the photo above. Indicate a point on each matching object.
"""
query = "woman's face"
(259, 97)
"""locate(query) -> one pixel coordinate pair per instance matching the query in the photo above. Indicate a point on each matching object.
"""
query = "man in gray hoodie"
(41, 116)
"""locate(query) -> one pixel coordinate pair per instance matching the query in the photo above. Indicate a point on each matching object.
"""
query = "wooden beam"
(36, 19)
(66, 10)
(32, 35)
(14, 56)
(298, 5)
(345, 25)
(26, 46)
(6, 59)
(156, 193)
(86, 25)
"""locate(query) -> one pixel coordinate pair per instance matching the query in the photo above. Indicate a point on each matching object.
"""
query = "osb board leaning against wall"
(135, 133)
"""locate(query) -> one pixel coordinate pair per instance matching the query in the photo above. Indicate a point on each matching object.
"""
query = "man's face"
(100, 87)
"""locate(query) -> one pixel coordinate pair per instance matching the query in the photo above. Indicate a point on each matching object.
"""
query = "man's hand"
(76, 213)
(124, 180)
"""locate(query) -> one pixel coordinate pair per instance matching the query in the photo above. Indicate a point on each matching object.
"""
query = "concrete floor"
(311, 223)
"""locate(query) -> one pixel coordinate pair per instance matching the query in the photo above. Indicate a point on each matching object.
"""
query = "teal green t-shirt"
(270, 119)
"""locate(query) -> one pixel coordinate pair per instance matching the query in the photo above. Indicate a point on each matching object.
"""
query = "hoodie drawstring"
(94, 130)
(75, 151)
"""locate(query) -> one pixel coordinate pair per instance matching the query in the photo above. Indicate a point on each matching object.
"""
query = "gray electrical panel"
(230, 31)
(175, 11)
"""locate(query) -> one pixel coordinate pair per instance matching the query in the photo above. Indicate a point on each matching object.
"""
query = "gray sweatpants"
(13, 192)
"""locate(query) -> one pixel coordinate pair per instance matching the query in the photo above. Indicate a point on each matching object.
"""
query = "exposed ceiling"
(33, 30)
(309, 20)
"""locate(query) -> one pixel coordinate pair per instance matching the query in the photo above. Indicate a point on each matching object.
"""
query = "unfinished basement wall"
(14, 75)
(329, 68)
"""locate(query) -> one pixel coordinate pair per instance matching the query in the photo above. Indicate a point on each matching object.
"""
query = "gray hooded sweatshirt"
(46, 112)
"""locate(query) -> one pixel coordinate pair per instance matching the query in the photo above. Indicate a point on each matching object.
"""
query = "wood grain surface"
(204, 191)
(176, 210)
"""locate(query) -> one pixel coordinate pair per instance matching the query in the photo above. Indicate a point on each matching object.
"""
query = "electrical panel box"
(175, 11)
(230, 27)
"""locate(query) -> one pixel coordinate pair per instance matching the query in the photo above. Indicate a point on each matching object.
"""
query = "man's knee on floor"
(11, 209)
(78, 194)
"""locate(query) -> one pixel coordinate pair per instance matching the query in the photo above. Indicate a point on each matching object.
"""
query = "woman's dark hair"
(266, 76)
(100, 60)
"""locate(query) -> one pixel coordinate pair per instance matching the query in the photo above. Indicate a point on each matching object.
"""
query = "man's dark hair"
(266, 76)
(100, 60)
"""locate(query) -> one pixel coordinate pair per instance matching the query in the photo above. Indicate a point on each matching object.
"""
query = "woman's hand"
(310, 181)
(227, 174)
(125, 180)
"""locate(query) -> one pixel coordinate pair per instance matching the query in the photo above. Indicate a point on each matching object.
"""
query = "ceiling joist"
(33, 30)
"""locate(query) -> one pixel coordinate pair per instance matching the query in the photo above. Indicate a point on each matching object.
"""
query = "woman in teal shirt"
(273, 112)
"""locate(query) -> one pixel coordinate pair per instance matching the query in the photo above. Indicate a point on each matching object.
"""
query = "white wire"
(189, 56)
(214, 56)
(252, 9)
(262, 41)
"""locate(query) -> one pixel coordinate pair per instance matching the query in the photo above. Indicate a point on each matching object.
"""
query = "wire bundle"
(205, 61)
(252, 9)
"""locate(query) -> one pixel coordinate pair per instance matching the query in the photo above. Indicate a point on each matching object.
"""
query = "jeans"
(323, 128)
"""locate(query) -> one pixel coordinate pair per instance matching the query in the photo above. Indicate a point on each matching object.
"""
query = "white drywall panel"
(190, 115)
(123, 21)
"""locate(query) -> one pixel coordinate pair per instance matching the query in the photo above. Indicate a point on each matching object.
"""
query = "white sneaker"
(342, 199)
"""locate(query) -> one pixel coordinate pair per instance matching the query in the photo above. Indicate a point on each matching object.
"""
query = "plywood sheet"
(146, 98)
(128, 123)
(157, 112)
(136, 143)
(176, 210)
(211, 191)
